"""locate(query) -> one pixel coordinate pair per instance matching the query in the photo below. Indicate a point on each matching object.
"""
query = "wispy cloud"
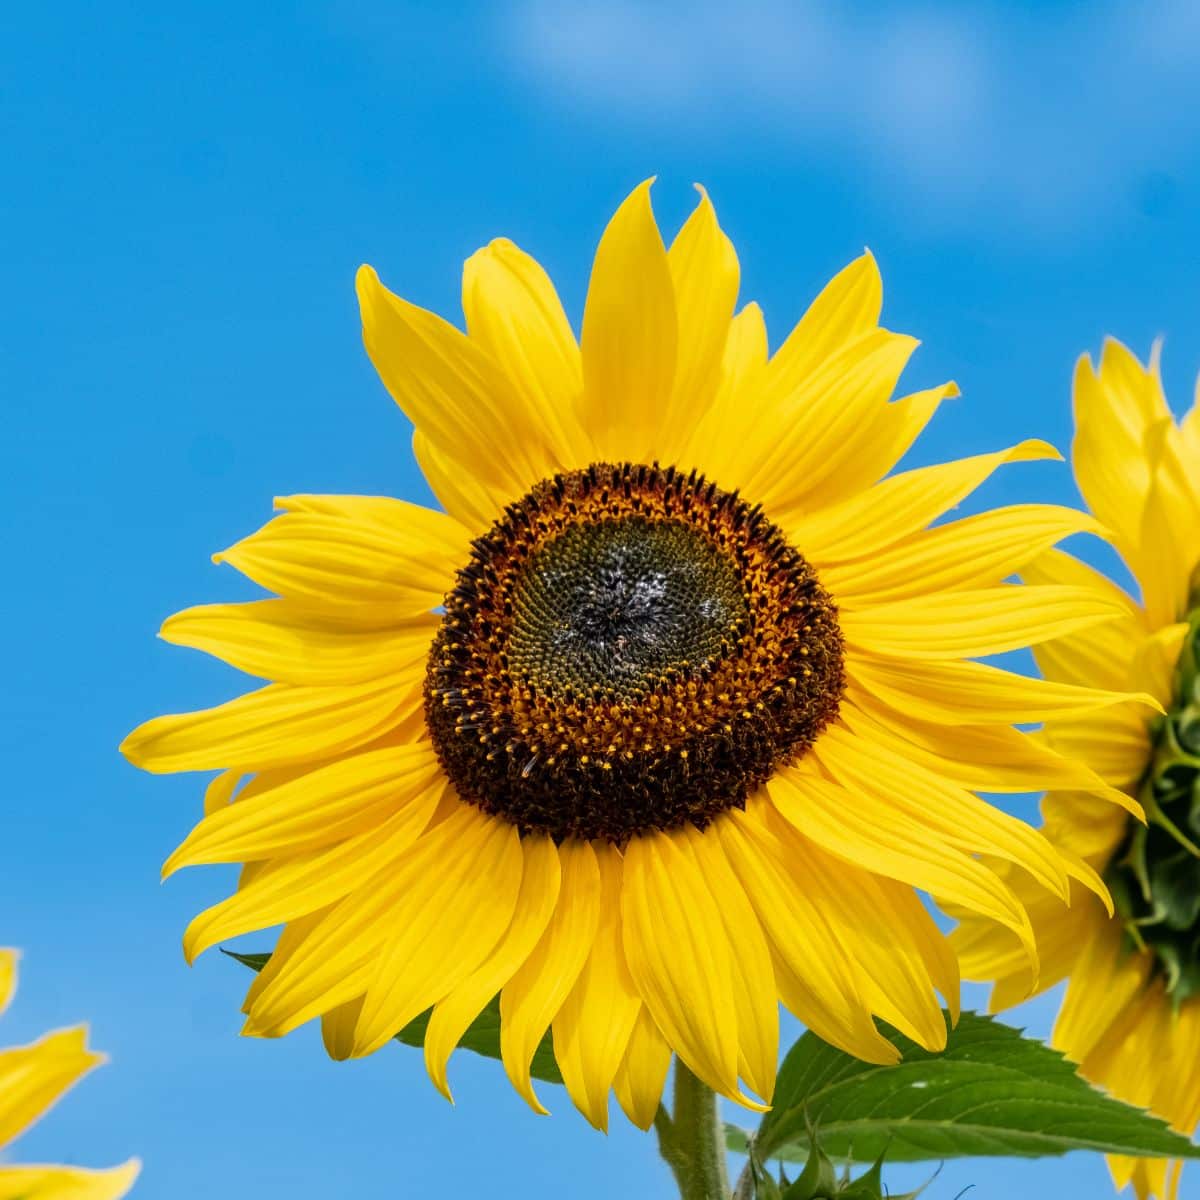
(964, 108)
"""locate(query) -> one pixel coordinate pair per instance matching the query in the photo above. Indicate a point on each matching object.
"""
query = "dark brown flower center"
(629, 649)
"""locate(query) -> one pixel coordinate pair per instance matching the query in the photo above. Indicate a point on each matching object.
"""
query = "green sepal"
(818, 1180)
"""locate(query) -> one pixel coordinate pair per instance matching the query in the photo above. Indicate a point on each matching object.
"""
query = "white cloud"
(1025, 116)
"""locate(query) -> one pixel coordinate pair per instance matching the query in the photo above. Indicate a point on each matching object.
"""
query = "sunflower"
(32, 1078)
(1131, 1013)
(662, 721)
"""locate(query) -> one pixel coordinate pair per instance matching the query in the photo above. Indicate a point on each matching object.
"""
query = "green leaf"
(991, 1092)
(483, 1036)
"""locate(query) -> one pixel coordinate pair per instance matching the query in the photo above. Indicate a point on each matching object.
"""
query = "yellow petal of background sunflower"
(1164, 554)
(67, 1183)
(629, 335)
(9, 959)
(532, 997)
(1112, 413)
(1105, 979)
(34, 1077)
(593, 1026)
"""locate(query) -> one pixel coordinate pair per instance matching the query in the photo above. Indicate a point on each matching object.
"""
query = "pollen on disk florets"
(629, 648)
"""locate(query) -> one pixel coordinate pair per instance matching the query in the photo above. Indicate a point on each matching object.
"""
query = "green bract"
(1155, 875)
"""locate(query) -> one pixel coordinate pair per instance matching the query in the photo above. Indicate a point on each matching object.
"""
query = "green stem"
(692, 1139)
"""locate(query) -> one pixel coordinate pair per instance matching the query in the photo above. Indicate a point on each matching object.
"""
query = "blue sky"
(187, 192)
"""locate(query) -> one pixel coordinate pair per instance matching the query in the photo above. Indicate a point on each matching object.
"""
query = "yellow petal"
(1111, 419)
(951, 693)
(888, 433)
(338, 958)
(984, 758)
(815, 432)
(974, 552)
(901, 505)
(643, 1072)
(871, 922)
(67, 1183)
(1105, 978)
(540, 881)
(337, 1029)
(281, 723)
(954, 815)
(325, 805)
(287, 888)
(459, 492)
(680, 957)
(34, 1077)
(847, 309)
(1117, 749)
(451, 390)
(754, 991)
(9, 959)
(855, 825)
(713, 440)
(705, 275)
(291, 938)
(1164, 554)
(974, 623)
(221, 790)
(593, 1026)
(629, 335)
(458, 901)
(353, 570)
(532, 997)
(515, 315)
(1100, 656)
(281, 641)
(811, 971)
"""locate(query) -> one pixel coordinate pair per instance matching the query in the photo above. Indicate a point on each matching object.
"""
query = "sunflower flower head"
(1131, 1014)
(663, 720)
(32, 1079)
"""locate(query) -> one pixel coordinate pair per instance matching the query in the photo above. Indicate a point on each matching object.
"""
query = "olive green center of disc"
(612, 609)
